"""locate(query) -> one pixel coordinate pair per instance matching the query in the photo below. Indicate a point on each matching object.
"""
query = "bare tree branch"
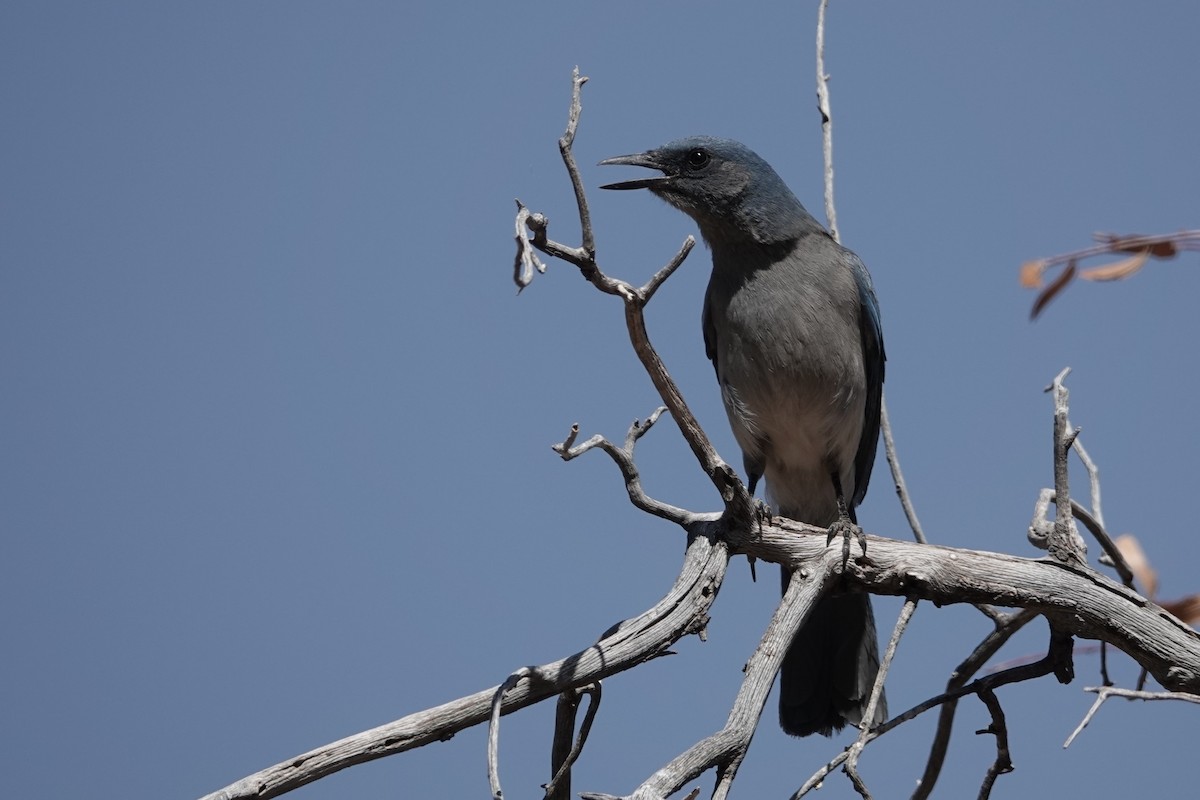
(1093, 472)
(493, 742)
(885, 424)
(826, 121)
(991, 644)
(1041, 529)
(1049, 665)
(567, 748)
(683, 611)
(889, 449)
(739, 504)
(999, 728)
(1105, 692)
(527, 260)
(1081, 602)
(623, 457)
(1065, 543)
(855, 750)
(726, 748)
(564, 147)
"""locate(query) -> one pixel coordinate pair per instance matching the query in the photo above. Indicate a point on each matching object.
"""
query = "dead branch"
(1105, 692)
(1006, 627)
(1081, 602)
(683, 611)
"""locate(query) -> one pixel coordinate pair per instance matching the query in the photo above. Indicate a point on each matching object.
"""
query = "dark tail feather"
(830, 667)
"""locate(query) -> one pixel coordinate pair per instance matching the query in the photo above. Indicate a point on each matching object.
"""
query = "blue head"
(725, 186)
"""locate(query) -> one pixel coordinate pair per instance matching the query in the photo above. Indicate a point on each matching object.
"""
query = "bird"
(791, 324)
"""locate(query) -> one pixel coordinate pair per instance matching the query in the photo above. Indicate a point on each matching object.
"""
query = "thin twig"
(823, 105)
(1105, 692)
(739, 505)
(725, 774)
(727, 747)
(493, 741)
(1163, 245)
(1114, 557)
(623, 457)
(1093, 472)
(996, 615)
(564, 147)
(856, 749)
(656, 280)
(1024, 672)
(527, 260)
(1065, 544)
(889, 448)
(826, 121)
(559, 787)
(1041, 531)
(1137, 249)
(983, 652)
(999, 728)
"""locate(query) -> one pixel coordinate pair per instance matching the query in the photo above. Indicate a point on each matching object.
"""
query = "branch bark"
(683, 611)
(1076, 600)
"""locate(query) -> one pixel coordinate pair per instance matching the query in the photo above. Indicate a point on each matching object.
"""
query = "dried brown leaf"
(1136, 558)
(1163, 247)
(1053, 289)
(1031, 273)
(1186, 608)
(1118, 270)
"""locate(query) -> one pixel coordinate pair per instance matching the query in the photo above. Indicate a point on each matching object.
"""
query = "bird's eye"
(697, 158)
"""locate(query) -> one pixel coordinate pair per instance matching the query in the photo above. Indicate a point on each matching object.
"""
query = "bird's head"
(722, 184)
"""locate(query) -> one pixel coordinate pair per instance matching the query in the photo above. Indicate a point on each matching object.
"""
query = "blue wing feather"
(874, 358)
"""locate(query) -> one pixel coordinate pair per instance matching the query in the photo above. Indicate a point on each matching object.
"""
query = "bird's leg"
(845, 526)
(762, 514)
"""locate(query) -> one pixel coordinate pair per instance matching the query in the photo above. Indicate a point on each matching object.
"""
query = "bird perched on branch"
(791, 325)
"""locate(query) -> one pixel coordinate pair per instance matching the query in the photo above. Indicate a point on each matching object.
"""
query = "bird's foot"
(847, 529)
(762, 513)
(762, 516)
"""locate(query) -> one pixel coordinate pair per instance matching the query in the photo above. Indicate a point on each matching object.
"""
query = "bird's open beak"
(638, 160)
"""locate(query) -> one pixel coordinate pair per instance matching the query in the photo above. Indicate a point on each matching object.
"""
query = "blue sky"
(275, 431)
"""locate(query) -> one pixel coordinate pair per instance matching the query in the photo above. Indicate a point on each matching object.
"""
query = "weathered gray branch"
(1105, 692)
(683, 611)
(1079, 601)
(726, 748)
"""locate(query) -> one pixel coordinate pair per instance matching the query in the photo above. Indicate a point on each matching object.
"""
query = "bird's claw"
(846, 529)
(762, 513)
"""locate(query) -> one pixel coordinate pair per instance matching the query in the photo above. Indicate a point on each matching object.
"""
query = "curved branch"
(1076, 600)
(683, 611)
(1105, 692)
(998, 728)
(623, 457)
(1006, 627)
(726, 748)
(565, 752)
(739, 504)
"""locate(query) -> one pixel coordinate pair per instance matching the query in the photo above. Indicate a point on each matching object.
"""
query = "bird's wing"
(752, 462)
(873, 365)
(710, 333)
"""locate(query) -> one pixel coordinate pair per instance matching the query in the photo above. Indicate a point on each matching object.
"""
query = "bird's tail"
(829, 669)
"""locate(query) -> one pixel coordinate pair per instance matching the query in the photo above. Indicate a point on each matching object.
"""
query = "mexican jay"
(791, 325)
